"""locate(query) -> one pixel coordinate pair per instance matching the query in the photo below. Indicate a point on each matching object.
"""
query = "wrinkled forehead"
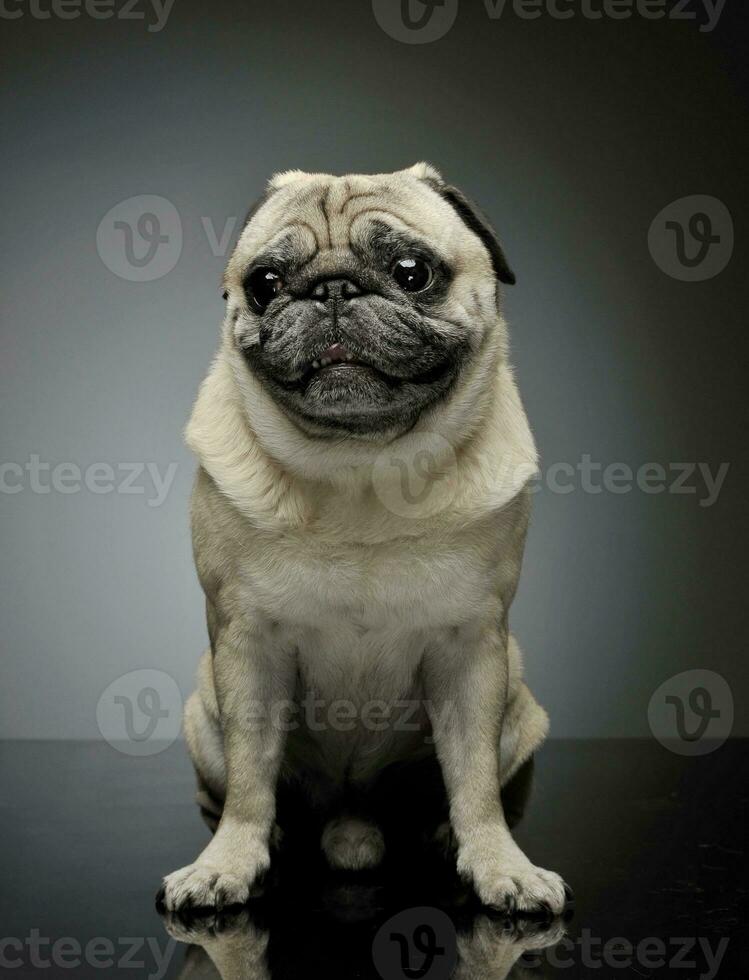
(320, 214)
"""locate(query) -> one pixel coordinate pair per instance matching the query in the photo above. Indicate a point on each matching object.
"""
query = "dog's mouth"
(356, 387)
(340, 361)
(335, 356)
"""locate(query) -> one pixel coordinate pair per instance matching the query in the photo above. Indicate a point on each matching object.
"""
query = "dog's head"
(358, 302)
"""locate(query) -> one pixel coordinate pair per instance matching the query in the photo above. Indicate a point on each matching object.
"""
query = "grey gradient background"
(572, 135)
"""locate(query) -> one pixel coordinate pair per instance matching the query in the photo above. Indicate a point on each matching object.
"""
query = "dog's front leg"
(465, 678)
(254, 680)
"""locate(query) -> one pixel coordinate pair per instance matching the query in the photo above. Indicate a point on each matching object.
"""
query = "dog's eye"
(262, 285)
(413, 275)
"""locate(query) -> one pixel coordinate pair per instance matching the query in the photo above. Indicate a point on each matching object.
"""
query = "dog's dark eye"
(413, 275)
(262, 285)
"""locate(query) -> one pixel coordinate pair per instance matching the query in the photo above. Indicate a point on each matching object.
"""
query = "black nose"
(335, 289)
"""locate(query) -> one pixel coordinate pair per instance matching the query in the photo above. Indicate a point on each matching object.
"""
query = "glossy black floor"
(652, 843)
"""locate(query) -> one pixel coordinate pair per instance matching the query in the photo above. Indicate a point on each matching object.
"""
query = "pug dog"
(359, 518)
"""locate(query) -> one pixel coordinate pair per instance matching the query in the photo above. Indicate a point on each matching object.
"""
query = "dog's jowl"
(359, 518)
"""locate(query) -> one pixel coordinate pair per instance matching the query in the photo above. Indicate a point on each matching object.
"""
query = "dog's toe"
(201, 886)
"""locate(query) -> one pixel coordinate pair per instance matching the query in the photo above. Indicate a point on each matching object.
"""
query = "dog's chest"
(407, 585)
(360, 616)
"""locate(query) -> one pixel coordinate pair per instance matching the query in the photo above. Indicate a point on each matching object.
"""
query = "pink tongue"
(336, 352)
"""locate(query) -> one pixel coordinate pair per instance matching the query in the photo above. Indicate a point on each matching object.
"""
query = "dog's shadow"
(410, 919)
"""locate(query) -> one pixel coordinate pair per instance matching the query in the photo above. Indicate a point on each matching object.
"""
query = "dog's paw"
(226, 940)
(505, 879)
(203, 885)
(491, 946)
(526, 932)
(352, 844)
(529, 890)
(197, 927)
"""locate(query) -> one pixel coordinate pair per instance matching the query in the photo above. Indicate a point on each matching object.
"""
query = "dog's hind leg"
(525, 724)
(205, 744)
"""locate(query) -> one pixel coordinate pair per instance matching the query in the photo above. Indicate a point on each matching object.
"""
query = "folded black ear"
(478, 224)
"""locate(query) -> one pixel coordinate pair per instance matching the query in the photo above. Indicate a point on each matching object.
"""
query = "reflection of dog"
(362, 337)
(226, 946)
(230, 946)
(490, 950)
